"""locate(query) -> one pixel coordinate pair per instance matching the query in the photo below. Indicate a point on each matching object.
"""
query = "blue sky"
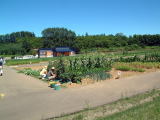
(92, 16)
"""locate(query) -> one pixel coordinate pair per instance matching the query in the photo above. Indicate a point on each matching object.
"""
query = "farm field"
(102, 52)
(84, 70)
(125, 69)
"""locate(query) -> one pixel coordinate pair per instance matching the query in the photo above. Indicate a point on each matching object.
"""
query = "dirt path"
(27, 98)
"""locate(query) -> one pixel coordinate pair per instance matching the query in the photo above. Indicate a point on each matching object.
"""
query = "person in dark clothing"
(1, 66)
(51, 75)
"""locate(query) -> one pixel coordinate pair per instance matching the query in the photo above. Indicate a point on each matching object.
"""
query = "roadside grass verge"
(127, 108)
(146, 111)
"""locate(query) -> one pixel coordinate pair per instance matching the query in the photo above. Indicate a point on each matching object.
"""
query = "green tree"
(27, 46)
(54, 37)
(11, 38)
(35, 42)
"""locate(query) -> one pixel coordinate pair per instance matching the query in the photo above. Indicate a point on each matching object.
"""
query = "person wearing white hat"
(51, 74)
(53, 68)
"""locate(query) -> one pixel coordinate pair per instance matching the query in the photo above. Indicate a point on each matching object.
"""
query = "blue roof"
(45, 49)
(58, 49)
(63, 49)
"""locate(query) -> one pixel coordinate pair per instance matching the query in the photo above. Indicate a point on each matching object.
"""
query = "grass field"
(27, 61)
(144, 106)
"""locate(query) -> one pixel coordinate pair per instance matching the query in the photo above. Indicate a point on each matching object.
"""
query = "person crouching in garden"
(51, 75)
(43, 72)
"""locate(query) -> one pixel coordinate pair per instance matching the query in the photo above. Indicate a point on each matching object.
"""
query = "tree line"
(25, 42)
(11, 38)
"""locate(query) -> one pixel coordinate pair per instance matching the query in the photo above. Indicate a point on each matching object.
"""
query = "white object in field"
(28, 57)
(36, 56)
(119, 73)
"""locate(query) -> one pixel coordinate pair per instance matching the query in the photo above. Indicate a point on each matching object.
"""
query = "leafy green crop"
(30, 72)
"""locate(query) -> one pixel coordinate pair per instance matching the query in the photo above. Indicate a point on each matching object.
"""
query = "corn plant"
(76, 69)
